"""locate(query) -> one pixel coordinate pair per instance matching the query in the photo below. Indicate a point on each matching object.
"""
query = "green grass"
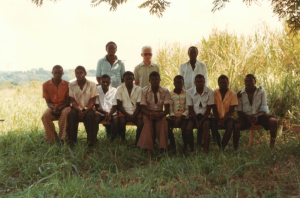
(30, 167)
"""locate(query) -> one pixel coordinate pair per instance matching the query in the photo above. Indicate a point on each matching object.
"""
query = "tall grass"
(272, 56)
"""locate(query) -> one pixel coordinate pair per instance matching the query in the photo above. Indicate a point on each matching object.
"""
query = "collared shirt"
(259, 102)
(188, 74)
(115, 71)
(142, 72)
(223, 106)
(58, 95)
(82, 97)
(129, 102)
(163, 98)
(106, 100)
(200, 102)
(178, 106)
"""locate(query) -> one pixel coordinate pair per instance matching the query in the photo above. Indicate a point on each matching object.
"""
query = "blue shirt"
(115, 71)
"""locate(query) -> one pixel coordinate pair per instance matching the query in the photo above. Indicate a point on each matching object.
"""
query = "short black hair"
(105, 76)
(128, 73)
(251, 76)
(199, 76)
(191, 48)
(223, 77)
(80, 67)
(57, 67)
(179, 77)
(155, 74)
(111, 42)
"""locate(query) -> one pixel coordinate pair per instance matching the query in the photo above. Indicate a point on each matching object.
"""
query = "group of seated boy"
(155, 110)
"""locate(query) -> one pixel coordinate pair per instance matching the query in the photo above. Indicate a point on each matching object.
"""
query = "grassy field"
(29, 167)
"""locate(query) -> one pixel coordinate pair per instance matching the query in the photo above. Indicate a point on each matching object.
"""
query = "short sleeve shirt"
(142, 72)
(82, 97)
(129, 102)
(58, 96)
(115, 71)
(259, 102)
(106, 100)
(223, 106)
(200, 102)
(163, 96)
(178, 106)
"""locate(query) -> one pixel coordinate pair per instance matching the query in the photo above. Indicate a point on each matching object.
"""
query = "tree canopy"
(288, 10)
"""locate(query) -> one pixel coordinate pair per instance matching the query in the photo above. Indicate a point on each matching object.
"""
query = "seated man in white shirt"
(191, 68)
(129, 97)
(106, 105)
(200, 100)
(253, 110)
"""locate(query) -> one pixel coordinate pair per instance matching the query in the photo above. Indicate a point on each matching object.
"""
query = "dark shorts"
(172, 124)
(261, 120)
(215, 122)
(199, 117)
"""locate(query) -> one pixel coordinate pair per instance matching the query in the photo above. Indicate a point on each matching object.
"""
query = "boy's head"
(193, 52)
(250, 81)
(128, 78)
(80, 72)
(111, 48)
(154, 79)
(178, 82)
(199, 81)
(223, 82)
(57, 72)
(105, 81)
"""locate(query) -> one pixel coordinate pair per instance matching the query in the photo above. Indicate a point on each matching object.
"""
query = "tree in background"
(284, 9)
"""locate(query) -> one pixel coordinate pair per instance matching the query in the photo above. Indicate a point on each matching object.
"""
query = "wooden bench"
(103, 122)
(252, 129)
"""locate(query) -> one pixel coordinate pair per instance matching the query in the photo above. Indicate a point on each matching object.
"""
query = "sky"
(72, 33)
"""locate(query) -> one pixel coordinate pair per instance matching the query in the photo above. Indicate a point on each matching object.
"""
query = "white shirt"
(193, 98)
(188, 74)
(259, 102)
(129, 102)
(106, 100)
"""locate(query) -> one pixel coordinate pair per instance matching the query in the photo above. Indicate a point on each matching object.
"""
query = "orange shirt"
(230, 99)
(58, 95)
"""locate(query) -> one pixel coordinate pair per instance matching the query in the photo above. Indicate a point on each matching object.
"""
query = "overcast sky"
(71, 32)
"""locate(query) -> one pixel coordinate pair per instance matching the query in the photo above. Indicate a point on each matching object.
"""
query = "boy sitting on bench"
(225, 102)
(129, 98)
(253, 110)
(179, 112)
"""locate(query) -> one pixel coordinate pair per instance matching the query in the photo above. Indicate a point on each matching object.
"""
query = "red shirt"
(58, 96)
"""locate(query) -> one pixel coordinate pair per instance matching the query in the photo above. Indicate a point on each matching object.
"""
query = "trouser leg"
(228, 132)
(206, 135)
(115, 127)
(171, 134)
(122, 126)
(73, 125)
(190, 134)
(91, 127)
(50, 133)
(236, 135)
(215, 131)
(108, 129)
(139, 124)
(63, 123)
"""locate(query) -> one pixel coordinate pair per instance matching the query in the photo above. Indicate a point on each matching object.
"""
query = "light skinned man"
(143, 70)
